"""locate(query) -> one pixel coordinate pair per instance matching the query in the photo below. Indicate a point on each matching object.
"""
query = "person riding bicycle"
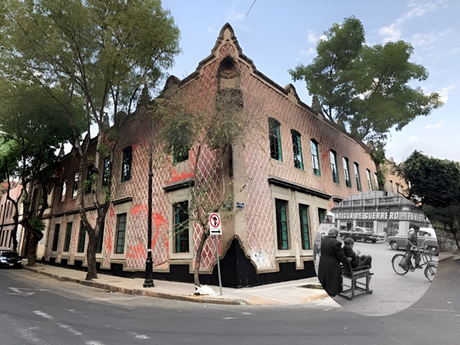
(411, 246)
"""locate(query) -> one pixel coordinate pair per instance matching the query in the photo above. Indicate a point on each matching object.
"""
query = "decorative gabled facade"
(293, 172)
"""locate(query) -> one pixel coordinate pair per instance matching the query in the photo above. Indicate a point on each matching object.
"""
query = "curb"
(140, 292)
(454, 256)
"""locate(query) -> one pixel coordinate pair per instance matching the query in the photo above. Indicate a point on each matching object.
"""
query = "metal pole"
(218, 266)
(148, 261)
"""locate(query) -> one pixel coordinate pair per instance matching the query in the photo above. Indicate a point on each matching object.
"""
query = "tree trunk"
(36, 236)
(91, 257)
(31, 251)
(199, 251)
(15, 241)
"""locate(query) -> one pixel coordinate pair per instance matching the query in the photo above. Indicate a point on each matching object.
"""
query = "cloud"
(311, 36)
(413, 138)
(390, 33)
(418, 9)
(430, 38)
(307, 52)
(235, 17)
(445, 93)
(436, 125)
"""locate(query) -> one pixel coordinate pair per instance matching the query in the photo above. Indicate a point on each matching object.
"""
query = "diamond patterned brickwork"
(262, 99)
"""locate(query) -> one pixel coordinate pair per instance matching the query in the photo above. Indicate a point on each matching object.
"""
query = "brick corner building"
(297, 167)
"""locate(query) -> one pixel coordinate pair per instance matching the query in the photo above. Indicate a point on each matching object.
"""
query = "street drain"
(312, 286)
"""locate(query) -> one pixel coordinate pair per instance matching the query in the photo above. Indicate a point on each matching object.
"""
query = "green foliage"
(102, 49)
(365, 90)
(37, 224)
(33, 127)
(433, 181)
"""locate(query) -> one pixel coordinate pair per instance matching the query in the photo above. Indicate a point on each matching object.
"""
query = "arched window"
(334, 169)
(315, 157)
(297, 148)
(64, 189)
(346, 172)
(274, 132)
(75, 186)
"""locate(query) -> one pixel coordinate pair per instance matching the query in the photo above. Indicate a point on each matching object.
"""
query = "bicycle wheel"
(400, 265)
(430, 271)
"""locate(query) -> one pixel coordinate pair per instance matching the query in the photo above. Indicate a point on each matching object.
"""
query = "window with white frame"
(297, 148)
(358, 178)
(315, 157)
(334, 169)
(75, 186)
(369, 181)
(63, 190)
(346, 171)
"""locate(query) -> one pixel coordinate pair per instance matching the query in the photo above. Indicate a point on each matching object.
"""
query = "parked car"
(8, 258)
(426, 237)
(360, 233)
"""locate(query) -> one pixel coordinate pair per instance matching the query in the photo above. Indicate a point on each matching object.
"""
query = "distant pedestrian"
(329, 270)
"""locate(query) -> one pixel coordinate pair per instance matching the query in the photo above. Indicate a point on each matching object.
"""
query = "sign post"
(215, 228)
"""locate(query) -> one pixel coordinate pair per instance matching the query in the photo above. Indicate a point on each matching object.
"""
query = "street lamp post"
(148, 282)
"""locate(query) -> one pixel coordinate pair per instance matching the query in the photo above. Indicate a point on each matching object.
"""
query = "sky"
(279, 35)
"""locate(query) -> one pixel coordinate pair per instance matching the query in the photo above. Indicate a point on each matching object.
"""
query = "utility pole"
(148, 282)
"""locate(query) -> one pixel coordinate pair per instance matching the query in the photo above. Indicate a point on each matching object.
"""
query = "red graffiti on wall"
(158, 220)
(137, 251)
(176, 177)
(108, 237)
(137, 209)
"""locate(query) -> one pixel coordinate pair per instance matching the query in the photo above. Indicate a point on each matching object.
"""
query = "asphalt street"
(39, 310)
(391, 293)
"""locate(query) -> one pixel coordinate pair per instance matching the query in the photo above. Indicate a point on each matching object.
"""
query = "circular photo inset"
(375, 253)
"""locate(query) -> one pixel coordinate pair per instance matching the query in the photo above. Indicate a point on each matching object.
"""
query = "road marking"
(73, 311)
(68, 328)
(30, 338)
(138, 336)
(42, 314)
(18, 292)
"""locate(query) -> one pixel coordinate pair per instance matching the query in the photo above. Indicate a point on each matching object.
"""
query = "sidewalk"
(285, 293)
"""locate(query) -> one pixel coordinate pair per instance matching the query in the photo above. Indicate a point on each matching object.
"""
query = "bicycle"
(402, 264)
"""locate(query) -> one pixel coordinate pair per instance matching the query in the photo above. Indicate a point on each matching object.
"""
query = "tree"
(32, 128)
(434, 184)
(101, 50)
(365, 90)
(207, 133)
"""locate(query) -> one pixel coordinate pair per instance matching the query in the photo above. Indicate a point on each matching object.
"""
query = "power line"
(250, 8)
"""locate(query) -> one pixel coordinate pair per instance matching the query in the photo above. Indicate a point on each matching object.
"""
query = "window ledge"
(185, 183)
(278, 181)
